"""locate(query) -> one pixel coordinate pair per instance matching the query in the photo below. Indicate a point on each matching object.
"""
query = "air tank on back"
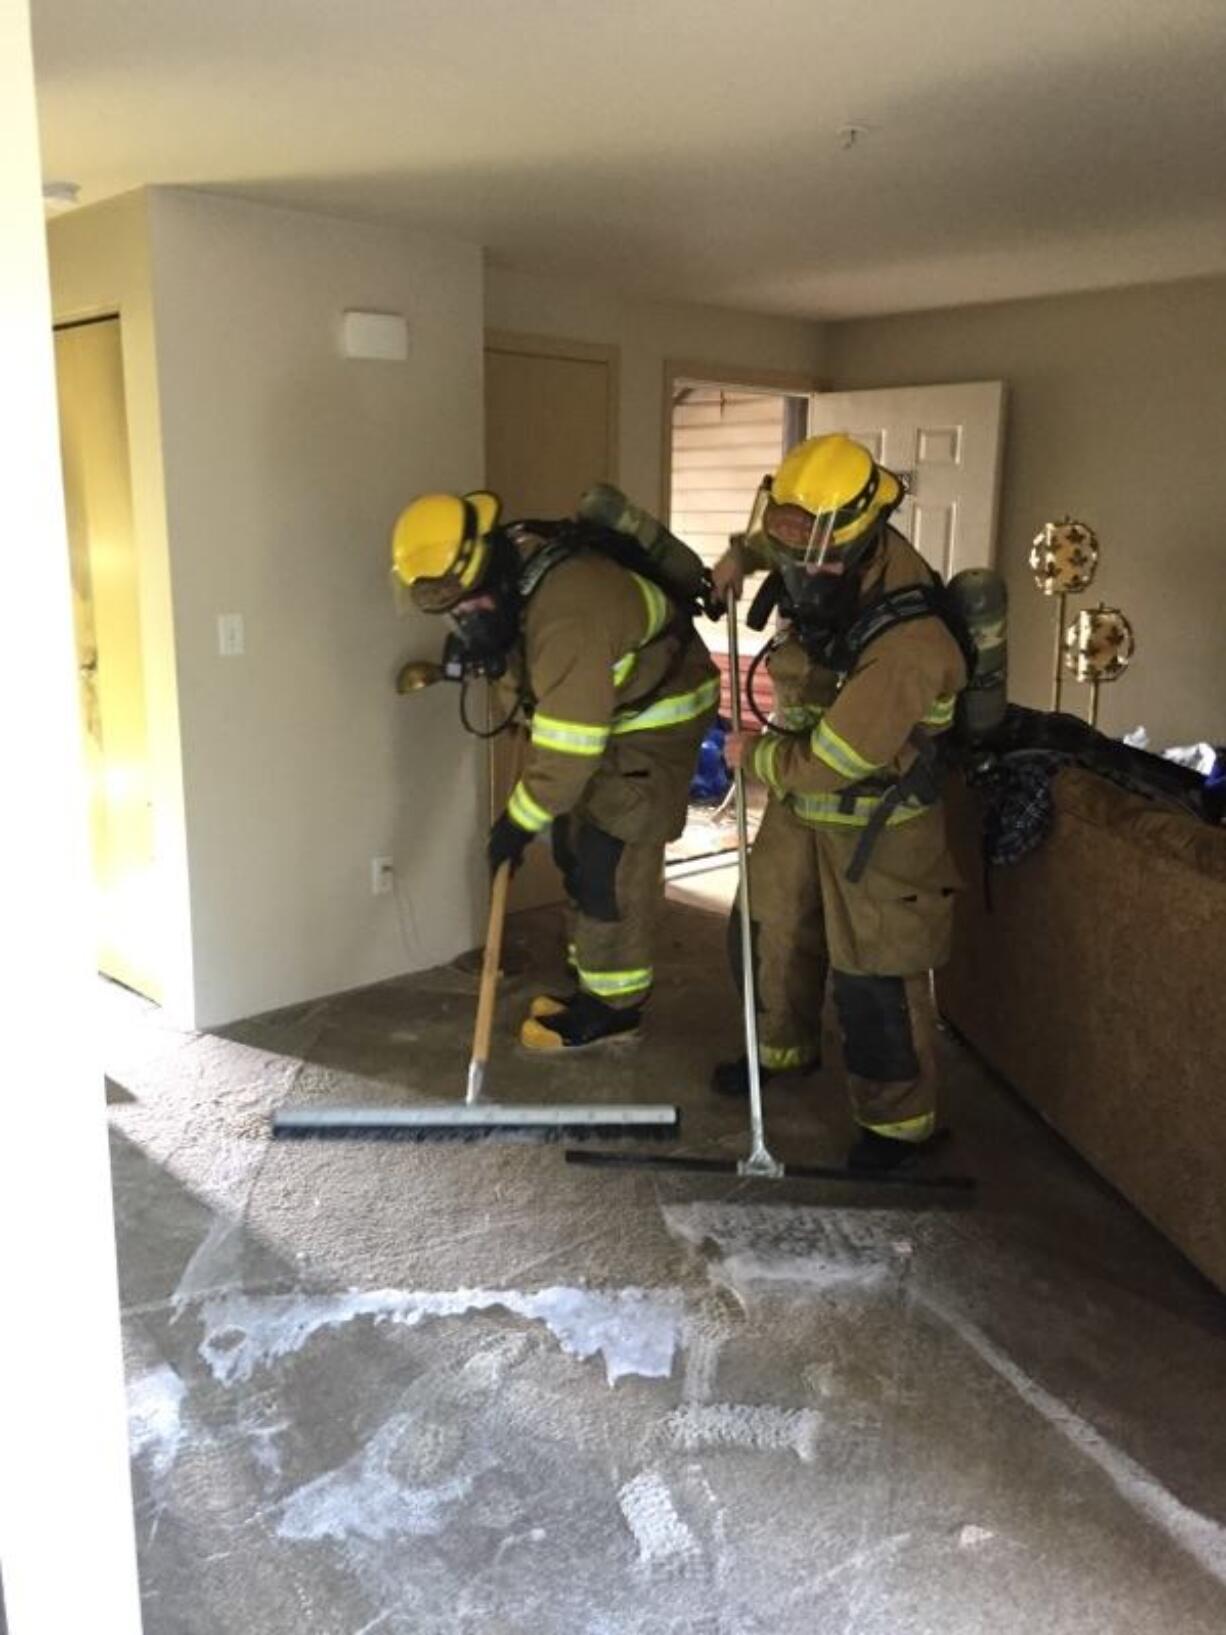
(678, 564)
(983, 601)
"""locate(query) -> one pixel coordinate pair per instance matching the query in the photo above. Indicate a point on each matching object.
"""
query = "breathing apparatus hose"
(758, 659)
(491, 732)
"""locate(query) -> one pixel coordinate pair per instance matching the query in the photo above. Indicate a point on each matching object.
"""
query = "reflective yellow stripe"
(910, 1129)
(838, 753)
(568, 737)
(798, 717)
(624, 667)
(671, 712)
(779, 1058)
(828, 809)
(614, 984)
(657, 607)
(525, 811)
(765, 753)
(658, 614)
(941, 712)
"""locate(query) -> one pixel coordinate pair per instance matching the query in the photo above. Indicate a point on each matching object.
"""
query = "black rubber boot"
(732, 1078)
(880, 1153)
(586, 1020)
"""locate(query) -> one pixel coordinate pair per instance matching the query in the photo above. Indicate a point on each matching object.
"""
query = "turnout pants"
(610, 850)
(879, 938)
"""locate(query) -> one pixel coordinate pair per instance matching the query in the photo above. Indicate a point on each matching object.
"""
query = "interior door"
(945, 442)
(102, 550)
(550, 432)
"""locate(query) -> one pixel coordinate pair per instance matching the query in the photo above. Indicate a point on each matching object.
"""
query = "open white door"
(945, 442)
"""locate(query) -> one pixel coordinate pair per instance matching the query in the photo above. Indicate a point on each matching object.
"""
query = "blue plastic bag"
(712, 779)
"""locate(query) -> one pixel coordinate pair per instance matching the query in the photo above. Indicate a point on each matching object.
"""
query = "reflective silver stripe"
(525, 811)
(839, 755)
(671, 712)
(568, 737)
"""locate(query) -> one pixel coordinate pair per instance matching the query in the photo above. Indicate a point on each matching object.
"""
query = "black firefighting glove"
(507, 844)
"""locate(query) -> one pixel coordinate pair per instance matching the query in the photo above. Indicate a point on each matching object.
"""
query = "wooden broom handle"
(489, 966)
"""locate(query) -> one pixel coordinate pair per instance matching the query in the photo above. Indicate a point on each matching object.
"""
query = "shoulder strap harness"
(565, 540)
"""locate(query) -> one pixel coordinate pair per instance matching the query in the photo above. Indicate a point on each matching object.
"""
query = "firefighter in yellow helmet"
(603, 671)
(850, 871)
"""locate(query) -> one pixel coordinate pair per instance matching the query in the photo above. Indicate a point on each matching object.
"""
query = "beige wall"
(648, 333)
(286, 465)
(1116, 413)
(100, 263)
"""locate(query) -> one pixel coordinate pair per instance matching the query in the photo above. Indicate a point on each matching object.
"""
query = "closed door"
(945, 442)
(548, 427)
(106, 606)
(550, 432)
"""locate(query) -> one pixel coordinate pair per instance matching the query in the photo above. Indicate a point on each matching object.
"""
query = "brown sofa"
(1096, 986)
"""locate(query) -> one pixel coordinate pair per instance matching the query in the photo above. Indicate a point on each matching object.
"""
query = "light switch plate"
(231, 638)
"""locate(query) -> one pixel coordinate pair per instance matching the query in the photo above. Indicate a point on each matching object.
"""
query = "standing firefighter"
(604, 668)
(850, 870)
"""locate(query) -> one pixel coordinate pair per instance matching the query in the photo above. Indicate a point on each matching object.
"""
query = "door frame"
(518, 343)
(113, 955)
(524, 345)
(781, 382)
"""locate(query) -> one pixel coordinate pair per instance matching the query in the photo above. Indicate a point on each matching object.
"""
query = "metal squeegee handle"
(760, 1161)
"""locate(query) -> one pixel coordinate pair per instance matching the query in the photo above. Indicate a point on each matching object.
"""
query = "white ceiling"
(686, 149)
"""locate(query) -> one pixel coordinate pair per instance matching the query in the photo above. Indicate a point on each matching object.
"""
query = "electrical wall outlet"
(382, 876)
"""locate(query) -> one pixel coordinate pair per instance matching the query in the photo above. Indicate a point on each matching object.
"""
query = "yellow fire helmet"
(827, 495)
(440, 546)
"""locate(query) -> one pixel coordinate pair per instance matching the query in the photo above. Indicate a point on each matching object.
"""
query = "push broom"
(474, 1118)
(759, 1163)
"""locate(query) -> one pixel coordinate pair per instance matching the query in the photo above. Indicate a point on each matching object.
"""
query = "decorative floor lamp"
(1098, 645)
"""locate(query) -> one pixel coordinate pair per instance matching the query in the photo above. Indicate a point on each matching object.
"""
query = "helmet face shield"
(819, 521)
(800, 535)
(438, 595)
(827, 495)
(818, 570)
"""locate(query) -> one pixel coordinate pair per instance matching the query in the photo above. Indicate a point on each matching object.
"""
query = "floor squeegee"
(474, 1118)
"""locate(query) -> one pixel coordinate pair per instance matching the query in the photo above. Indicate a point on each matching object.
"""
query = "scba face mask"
(819, 603)
(819, 606)
(486, 625)
(481, 640)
